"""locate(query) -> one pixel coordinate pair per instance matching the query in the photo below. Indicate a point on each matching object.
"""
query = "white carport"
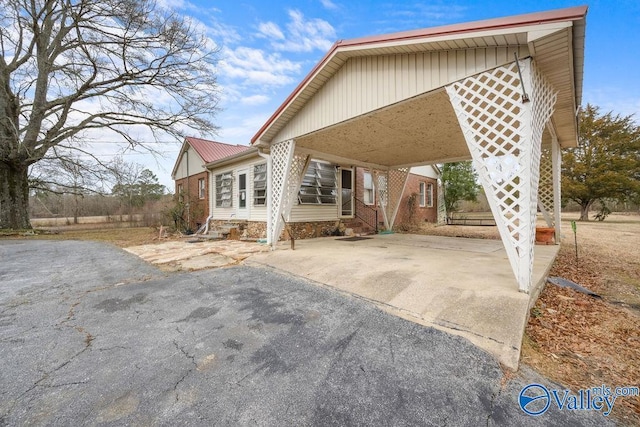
(503, 92)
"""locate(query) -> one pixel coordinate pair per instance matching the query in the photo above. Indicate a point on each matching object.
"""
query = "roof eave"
(471, 29)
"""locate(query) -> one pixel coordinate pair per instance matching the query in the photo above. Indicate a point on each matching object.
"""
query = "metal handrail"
(366, 214)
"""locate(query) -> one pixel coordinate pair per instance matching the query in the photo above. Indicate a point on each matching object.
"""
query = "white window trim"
(255, 188)
(365, 189)
(202, 189)
(220, 201)
(430, 195)
(422, 194)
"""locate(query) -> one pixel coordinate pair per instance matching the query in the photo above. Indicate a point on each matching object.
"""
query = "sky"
(268, 47)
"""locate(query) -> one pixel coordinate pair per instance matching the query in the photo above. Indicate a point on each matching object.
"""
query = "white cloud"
(255, 100)
(254, 67)
(270, 30)
(328, 4)
(302, 35)
(241, 131)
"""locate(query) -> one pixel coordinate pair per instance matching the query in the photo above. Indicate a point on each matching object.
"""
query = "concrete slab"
(462, 286)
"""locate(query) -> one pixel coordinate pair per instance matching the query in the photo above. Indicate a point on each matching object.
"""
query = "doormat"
(354, 238)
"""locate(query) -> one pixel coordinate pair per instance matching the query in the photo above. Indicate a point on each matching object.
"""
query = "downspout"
(269, 201)
(188, 206)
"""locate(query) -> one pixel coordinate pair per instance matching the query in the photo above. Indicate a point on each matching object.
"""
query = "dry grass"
(122, 237)
(581, 341)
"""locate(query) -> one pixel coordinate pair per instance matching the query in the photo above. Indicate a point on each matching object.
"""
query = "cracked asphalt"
(92, 335)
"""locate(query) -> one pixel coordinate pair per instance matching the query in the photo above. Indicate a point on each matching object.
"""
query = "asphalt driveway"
(92, 335)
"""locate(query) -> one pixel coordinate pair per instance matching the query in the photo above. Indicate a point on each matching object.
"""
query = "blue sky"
(266, 48)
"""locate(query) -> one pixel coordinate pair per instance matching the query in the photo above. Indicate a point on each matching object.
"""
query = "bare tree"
(72, 69)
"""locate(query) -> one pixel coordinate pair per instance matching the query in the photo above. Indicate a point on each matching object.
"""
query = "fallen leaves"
(580, 341)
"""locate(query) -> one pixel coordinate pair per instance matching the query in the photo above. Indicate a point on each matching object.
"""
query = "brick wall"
(198, 208)
(413, 213)
(406, 214)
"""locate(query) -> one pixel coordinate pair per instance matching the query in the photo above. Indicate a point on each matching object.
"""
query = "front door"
(243, 203)
(346, 192)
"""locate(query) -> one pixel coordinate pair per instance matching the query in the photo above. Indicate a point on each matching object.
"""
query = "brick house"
(332, 197)
(192, 178)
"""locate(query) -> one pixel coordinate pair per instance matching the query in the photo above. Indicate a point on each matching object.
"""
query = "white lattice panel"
(504, 135)
(281, 158)
(389, 188)
(382, 193)
(396, 181)
(543, 100)
(545, 187)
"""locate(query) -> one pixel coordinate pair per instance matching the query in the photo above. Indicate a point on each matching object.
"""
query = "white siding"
(427, 171)
(190, 164)
(299, 213)
(365, 84)
(304, 213)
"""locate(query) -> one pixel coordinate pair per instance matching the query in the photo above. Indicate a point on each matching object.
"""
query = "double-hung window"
(369, 197)
(260, 185)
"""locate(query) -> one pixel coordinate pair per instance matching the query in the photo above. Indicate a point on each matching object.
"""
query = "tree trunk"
(14, 196)
(584, 210)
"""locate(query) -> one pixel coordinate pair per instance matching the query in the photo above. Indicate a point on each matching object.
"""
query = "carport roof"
(560, 58)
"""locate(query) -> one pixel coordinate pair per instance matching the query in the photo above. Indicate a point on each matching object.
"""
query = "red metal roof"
(210, 151)
(572, 13)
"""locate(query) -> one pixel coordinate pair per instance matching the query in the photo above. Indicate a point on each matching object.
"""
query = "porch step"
(359, 228)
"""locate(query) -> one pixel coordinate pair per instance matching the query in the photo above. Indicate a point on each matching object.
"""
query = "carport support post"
(503, 130)
(281, 158)
(287, 170)
(556, 160)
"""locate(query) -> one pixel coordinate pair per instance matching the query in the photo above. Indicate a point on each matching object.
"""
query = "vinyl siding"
(365, 84)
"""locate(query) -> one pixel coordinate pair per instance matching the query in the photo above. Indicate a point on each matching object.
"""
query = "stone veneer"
(300, 230)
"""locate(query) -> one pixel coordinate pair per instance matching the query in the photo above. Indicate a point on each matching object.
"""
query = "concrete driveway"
(92, 335)
(462, 286)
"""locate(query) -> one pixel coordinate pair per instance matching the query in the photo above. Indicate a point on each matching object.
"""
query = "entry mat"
(354, 238)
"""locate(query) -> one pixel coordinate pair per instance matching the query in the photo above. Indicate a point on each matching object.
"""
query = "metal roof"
(211, 151)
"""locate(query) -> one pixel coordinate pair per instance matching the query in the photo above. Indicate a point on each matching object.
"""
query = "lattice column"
(545, 189)
(396, 181)
(380, 181)
(281, 158)
(442, 209)
(504, 135)
(389, 186)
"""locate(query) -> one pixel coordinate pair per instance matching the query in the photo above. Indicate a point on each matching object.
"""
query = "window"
(180, 193)
(430, 195)
(423, 194)
(201, 188)
(224, 187)
(260, 185)
(369, 197)
(319, 185)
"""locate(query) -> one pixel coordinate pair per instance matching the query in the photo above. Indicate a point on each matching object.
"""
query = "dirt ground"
(577, 340)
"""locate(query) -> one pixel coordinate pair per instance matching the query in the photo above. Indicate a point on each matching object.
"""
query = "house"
(192, 178)
(228, 183)
(332, 198)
